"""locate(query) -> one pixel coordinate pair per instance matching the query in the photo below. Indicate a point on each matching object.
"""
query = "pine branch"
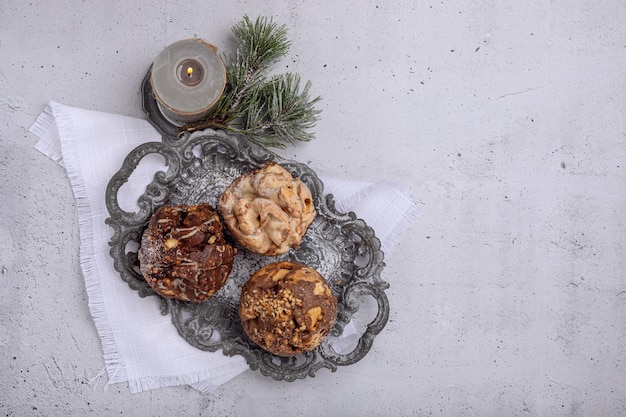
(279, 112)
(270, 113)
(262, 43)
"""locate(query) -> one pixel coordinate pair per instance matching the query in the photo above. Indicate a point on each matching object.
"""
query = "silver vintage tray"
(343, 248)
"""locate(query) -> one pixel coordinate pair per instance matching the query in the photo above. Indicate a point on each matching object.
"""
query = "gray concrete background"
(507, 119)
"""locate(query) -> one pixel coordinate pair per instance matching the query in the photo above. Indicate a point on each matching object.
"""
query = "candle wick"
(189, 71)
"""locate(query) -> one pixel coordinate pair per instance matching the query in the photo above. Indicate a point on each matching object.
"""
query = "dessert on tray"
(183, 253)
(267, 210)
(287, 308)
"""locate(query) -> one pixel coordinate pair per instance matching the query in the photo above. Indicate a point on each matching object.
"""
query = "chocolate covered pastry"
(287, 308)
(267, 210)
(183, 253)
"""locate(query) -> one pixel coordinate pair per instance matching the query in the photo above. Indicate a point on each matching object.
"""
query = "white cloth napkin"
(141, 346)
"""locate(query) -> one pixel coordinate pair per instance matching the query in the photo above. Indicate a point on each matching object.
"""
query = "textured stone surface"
(507, 296)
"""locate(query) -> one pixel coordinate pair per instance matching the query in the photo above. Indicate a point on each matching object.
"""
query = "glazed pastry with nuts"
(267, 210)
(183, 252)
(287, 308)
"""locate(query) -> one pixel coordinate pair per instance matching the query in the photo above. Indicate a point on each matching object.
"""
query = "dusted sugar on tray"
(183, 253)
(267, 210)
(287, 308)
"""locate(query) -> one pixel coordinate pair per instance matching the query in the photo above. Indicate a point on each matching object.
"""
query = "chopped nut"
(318, 289)
(280, 274)
(171, 243)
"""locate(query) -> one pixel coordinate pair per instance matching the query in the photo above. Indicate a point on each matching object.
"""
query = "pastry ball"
(287, 308)
(267, 210)
(183, 253)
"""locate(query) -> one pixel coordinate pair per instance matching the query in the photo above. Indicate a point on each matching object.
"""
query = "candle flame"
(189, 71)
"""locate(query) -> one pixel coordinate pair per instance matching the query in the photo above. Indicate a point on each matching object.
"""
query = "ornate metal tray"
(343, 248)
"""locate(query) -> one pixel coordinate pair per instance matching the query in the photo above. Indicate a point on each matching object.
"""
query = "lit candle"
(190, 72)
(187, 78)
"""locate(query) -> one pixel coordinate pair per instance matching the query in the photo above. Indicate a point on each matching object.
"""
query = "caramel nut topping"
(287, 308)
